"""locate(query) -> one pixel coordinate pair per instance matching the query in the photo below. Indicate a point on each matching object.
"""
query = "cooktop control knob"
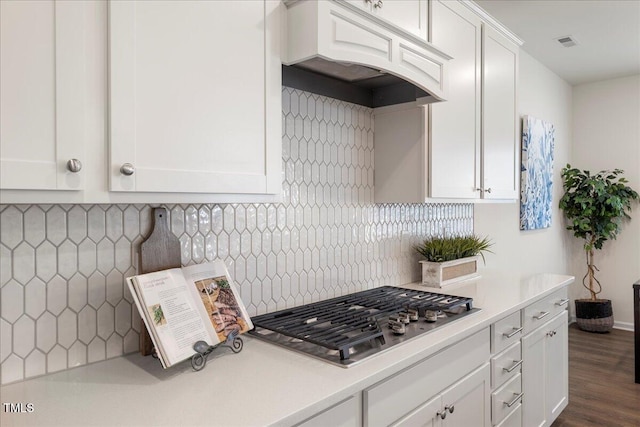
(396, 326)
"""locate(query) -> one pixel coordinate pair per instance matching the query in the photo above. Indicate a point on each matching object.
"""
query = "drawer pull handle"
(562, 302)
(515, 331)
(515, 365)
(515, 400)
(542, 315)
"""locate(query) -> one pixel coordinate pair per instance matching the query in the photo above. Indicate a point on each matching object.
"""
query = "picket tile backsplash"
(63, 301)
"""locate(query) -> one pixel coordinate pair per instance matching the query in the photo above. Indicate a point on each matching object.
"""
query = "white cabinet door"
(195, 96)
(500, 147)
(427, 415)
(41, 94)
(409, 15)
(464, 404)
(455, 125)
(545, 372)
(467, 402)
(557, 372)
(533, 378)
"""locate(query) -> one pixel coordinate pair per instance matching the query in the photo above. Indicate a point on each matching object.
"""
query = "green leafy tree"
(595, 206)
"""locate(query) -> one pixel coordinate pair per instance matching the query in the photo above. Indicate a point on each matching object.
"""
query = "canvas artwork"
(536, 189)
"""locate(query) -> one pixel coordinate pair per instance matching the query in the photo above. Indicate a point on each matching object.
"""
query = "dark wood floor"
(602, 391)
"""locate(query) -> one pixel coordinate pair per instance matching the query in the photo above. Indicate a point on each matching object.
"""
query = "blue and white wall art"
(536, 171)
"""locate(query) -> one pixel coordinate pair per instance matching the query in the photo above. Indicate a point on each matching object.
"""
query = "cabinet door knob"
(478, 189)
(127, 169)
(74, 165)
(488, 190)
(442, 414)
(378, 4)
(449, 408)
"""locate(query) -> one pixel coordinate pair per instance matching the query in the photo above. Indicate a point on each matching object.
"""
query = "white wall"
(546, 96)
(606, 135)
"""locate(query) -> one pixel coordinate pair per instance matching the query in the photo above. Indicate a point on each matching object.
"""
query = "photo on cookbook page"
(222, 306)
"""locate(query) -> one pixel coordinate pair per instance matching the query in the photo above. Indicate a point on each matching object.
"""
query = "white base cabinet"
(545, 372)
(463, 404)
(451, 377)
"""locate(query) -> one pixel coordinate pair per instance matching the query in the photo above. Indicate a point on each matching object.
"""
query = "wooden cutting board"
(160, 251)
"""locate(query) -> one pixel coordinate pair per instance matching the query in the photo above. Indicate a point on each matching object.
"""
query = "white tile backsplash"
(64, 303)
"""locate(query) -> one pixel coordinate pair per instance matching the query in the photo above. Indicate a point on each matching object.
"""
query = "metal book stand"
(203, 349)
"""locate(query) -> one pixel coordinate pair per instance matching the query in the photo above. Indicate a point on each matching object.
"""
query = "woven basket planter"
(594, 316)
(440, 274)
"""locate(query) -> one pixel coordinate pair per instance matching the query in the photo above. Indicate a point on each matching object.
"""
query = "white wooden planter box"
(440, 274)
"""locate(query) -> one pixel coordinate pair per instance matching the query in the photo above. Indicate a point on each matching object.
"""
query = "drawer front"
(344, 414)
(398, 395)
(514, 419)
(538, 313)
(505, 399)
(506, 365)
(505, 332)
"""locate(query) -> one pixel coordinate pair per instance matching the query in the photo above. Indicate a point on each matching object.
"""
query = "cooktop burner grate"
(344, 322)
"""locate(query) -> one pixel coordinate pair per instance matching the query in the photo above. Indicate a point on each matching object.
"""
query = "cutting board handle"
(160, 251)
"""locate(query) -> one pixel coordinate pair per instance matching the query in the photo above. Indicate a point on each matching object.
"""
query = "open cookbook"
(183, 305)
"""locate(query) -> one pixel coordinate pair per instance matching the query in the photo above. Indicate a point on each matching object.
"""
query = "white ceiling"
(607, 31)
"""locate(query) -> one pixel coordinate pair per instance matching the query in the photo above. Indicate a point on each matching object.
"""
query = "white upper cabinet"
(140, 101)
(466, 148)
(195, 102)
(455, 124)
(409, 15)
(500, 154)
(41, 95)
(473, 142)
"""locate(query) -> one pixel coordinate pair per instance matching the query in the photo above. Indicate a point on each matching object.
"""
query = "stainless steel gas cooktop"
(348, 329)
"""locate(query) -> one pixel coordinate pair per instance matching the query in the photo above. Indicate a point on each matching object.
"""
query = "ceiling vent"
(567, 41)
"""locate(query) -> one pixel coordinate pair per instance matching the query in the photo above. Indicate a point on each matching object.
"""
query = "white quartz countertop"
(262, 385)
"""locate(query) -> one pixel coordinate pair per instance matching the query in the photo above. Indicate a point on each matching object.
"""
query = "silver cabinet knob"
(488, 190)
(127, 169)
(442, 414)
(378, 4)
(74, 165)
(477, 189)
(449, 408)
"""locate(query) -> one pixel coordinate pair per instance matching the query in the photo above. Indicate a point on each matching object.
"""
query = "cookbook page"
(221, 302)
(172, 313)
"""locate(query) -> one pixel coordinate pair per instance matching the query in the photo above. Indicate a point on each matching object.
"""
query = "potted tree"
(595, 206)
(451, 259)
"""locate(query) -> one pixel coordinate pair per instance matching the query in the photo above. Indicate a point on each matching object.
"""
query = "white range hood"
(342, 41)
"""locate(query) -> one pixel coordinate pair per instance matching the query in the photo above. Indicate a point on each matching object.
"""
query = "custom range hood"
(338, 49)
